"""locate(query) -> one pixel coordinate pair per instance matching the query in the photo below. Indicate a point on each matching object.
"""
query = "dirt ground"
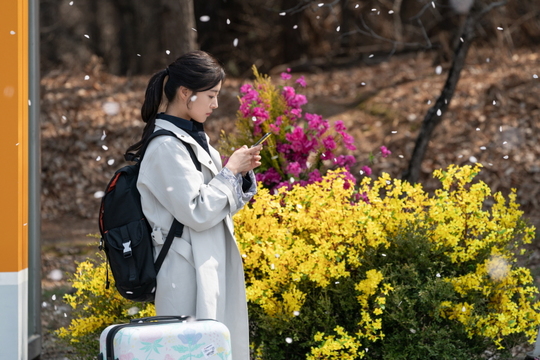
(493, 119)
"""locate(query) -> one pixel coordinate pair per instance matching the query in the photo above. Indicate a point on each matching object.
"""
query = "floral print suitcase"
(166, 338)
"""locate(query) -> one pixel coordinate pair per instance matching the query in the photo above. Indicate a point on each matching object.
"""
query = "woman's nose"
(214, 104)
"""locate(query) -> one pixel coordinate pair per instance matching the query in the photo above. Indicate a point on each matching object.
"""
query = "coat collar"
(213, 163)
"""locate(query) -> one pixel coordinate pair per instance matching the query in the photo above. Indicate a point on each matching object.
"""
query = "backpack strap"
(139, 155)
(177, 228)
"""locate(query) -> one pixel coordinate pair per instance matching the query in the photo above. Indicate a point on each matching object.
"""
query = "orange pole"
(14, 178)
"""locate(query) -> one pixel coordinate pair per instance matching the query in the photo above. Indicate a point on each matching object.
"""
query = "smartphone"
(263, 139)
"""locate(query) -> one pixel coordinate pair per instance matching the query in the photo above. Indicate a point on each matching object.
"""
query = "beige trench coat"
(202, 274)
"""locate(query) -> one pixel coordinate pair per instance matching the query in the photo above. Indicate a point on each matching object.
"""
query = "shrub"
(303, 146)
(95, 307)
(402, 275)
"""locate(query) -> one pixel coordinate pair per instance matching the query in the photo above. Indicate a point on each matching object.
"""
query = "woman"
(202, 274)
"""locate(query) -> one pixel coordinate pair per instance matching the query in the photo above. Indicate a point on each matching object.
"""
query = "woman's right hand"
(244, 159)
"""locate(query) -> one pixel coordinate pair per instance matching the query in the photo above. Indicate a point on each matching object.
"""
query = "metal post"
(34, 185)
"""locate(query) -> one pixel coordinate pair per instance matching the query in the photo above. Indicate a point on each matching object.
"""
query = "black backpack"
(126, 235)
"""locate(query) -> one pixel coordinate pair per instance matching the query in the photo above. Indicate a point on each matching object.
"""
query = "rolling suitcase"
(166, 338)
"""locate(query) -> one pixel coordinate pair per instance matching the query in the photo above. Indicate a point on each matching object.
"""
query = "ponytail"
(150, 107)
(196, 70)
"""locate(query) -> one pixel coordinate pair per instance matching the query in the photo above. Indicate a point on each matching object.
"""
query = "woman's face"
(200, 105)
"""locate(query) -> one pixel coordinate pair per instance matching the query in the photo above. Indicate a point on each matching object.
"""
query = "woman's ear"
(184, 93)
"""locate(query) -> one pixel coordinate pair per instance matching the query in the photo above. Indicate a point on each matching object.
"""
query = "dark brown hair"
(197, 70)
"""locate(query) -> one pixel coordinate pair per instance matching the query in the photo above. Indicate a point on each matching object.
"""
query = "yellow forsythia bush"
(94, 307)
(399, 275)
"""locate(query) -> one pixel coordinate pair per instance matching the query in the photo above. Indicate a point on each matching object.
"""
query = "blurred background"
(381, 66)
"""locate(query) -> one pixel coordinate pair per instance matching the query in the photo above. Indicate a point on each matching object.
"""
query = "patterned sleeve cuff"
(237, 181)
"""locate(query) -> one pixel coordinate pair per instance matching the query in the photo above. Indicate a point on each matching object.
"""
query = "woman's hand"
(244, 159)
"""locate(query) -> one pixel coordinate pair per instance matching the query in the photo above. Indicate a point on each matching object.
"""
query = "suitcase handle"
(160, 318)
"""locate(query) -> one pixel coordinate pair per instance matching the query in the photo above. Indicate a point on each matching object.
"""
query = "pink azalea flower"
(348, 141)
(364, 197)
(294, 169)
(286, 76)
(344, 161)
(246, 88)
(329, 143)
(385, 152)
(366, 170)
(315, 176)
(339, 126)
(302, 81)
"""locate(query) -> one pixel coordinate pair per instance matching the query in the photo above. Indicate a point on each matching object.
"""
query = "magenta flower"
(340, 126)
(315, 176)
(366, 170)
(344, 161)
(293, 100)
(301, 80)
(294, 169)
(348, 140)
(385, 152)
(317, 123)
(286, 76)
(364, 197)
(329, 143)
(246, 88)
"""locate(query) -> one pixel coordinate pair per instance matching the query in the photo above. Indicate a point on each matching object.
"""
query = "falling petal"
(288, 340)
(193, 98)
(438, 70)
(168, 52)
(482, 148)
(133, 311)
(103, 136)
(295, 27)
(235, 42)
(170, 188)
(228, 22)
(98, 158)
(391, 12)
(110, 161)
(55, 275)
(99, 194)
(282, 13)
(296, 313)
(505, 157)
(87, 36)
(105, 147)
(500, 28)
(439, 112)
(473, 159)
(53, 297)
(111, 108)
(438, 275)
(87, 77)
(205, 18)
(12, 32)
(339, 27)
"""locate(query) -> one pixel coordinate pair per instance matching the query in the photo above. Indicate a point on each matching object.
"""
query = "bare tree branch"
(435, 114)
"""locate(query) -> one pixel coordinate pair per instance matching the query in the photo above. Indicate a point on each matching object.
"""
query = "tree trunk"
(178, 26)
(435, 114)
